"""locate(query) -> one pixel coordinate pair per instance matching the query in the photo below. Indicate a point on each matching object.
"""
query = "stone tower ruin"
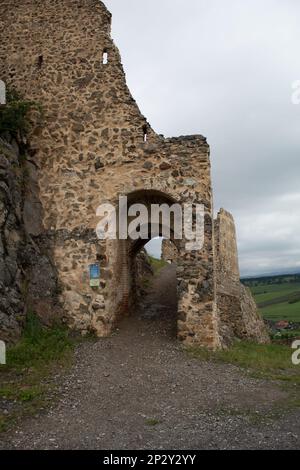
(94, 145)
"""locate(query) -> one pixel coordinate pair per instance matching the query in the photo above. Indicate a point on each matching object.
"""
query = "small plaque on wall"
(94, 275)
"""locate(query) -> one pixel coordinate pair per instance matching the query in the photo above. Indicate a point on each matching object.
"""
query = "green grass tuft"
(152, 422)
(39, 346)
(282, 311)
(157, 264)
(271, 361)
(23, 380)
(278, 301)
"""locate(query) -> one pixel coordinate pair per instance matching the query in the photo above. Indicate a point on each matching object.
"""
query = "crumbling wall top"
(227, 266)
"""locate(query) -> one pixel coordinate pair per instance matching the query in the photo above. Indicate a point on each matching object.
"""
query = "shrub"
(14, 116)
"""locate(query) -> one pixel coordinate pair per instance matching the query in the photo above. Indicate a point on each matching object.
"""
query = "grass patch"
(22, 393)
(152, 422)
(271, 291)
(157, 264)
(268, 362)
(278, 301)
(23, 380)
(282, 311)
(272, 361)
(294, 301)
(39, 346)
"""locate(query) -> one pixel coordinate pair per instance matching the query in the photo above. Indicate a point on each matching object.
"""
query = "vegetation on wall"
(14, 116)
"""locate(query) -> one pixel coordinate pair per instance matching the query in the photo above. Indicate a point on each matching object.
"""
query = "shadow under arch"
(154, 196)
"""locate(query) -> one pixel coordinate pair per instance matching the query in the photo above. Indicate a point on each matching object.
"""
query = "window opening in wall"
(105, 57)
(145, 133)
(40, 61)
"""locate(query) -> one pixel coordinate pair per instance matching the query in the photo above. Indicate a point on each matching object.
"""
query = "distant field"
(279, 300)
(283, 311)
(268, 292)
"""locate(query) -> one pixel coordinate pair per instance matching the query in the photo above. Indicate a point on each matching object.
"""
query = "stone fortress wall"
(92, 146)
(239, 316)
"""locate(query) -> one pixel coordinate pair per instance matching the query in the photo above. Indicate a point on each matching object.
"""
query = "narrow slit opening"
(105, 57)
(145, 133)
(40, 61)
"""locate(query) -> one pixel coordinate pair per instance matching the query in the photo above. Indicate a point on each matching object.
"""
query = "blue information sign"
(94, 275)
(94, 271)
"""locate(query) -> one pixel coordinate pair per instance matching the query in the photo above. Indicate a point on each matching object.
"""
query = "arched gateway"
(94, 146)
(197, 316)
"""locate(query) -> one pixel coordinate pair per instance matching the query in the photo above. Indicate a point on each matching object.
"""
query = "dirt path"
(139, 390)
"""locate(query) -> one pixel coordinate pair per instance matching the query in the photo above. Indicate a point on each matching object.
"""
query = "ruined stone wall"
(93, 145)
(239, 316)
(169, 251)
(227, 267)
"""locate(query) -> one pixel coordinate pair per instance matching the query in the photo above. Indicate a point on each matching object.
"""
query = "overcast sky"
(225, 69)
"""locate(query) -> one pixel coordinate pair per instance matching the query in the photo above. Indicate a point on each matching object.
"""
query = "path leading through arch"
(140, 390)
(159, 306)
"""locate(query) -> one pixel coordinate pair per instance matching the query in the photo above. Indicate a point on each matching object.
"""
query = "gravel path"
(139, 390)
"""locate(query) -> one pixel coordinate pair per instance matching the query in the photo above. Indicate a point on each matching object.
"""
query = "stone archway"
(154, 291)
(196, 318)
(124, 252)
